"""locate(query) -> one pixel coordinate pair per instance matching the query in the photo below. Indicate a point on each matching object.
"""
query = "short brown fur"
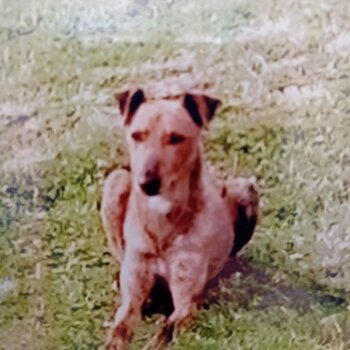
(184, 233)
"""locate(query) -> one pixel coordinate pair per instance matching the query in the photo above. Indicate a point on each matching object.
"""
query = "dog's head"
(163, 137)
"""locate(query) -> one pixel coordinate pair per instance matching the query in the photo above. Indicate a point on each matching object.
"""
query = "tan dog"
(167, 219)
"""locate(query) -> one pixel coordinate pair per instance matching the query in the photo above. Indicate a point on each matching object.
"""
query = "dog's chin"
(159, 204)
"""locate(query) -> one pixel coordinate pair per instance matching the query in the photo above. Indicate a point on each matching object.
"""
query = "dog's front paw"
(161, 339)
(117, 338)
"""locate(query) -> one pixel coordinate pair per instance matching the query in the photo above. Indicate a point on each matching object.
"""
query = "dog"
(169, 223)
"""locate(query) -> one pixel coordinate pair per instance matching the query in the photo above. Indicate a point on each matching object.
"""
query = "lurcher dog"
(168, 222)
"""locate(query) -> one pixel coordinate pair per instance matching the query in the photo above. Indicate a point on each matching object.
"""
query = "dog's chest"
(156, 225)
(162, 231)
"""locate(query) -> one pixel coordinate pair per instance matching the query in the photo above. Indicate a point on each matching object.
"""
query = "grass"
(282, 71)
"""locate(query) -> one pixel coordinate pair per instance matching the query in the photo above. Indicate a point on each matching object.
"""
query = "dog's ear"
(200, 107)
(129, 101)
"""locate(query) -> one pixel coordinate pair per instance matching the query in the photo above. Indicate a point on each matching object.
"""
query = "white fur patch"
(162, 270)
(159, 204)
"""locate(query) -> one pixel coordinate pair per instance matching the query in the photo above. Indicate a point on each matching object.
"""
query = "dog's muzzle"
(151, 187)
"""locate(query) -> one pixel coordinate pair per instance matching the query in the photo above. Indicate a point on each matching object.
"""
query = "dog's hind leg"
(242, 200)
(115, 197)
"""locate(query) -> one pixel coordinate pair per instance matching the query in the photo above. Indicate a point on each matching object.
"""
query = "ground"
(281, 69)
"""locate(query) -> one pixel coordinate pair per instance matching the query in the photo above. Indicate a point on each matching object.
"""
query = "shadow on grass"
(255, 283)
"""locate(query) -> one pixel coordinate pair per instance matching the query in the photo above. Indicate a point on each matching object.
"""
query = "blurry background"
(282, 69)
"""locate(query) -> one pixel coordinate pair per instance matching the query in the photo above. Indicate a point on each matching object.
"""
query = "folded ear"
(129, 101)
(200, 107)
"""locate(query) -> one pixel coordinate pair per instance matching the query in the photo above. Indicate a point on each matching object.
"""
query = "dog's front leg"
(136, 282)
(188, 276)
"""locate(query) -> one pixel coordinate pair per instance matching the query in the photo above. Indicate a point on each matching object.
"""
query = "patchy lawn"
(282, 70)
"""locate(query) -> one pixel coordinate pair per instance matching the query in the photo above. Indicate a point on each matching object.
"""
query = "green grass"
(282, 71)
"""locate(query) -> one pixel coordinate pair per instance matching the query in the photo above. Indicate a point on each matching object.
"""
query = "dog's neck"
(165, 216)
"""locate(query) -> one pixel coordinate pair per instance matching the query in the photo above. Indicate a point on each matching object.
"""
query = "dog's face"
(163, 137)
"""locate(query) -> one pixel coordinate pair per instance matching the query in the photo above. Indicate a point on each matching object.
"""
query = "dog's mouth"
(151, 187)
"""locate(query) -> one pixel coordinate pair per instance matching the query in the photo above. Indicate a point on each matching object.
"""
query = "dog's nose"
(151, 187)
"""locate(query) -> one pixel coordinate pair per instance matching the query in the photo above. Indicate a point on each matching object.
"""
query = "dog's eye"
(139, 136)
(174, 139)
